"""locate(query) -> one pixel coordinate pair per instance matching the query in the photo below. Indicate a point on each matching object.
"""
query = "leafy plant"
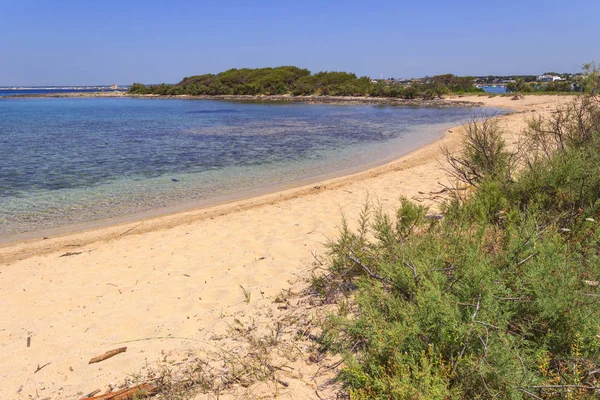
(500, 298)
(483, 154)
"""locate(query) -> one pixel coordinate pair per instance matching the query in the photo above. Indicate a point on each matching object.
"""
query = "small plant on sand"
(247, 293)
(483, 154)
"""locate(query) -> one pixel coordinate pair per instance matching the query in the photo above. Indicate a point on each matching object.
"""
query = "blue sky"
(101, 42)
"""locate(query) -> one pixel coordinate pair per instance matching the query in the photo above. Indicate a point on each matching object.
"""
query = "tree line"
(520, 85)
(301, 82)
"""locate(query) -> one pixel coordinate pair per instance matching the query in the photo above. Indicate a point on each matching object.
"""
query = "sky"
(89, 42)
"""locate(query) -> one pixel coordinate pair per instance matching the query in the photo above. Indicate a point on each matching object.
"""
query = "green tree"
(518, 86)
(138, 88)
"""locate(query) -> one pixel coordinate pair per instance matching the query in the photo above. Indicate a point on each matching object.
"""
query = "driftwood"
(108, 355)
(145, 389)
(68, 254)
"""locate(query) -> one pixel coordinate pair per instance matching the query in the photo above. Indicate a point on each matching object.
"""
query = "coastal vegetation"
(546, 87)
(498, 296)
(301, 82)
(294, 81)
(548, 82)
(560, 83)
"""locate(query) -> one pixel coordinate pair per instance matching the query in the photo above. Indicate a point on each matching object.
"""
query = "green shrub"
(138, 88)
(483, 154)
(300, 82)
(499, 299)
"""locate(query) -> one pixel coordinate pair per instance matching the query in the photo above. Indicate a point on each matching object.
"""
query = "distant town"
(488, 80)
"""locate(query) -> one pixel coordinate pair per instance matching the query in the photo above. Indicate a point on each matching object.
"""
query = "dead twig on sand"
(108, 355)
(91, 394)
(68, 254)
(39, 368)
(140, 391)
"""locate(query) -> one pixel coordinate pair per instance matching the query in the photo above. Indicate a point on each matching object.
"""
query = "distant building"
(548, 78)
(114, 86)
(390, 81)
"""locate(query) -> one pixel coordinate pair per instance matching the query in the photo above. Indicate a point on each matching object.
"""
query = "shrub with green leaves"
(301, 82)
(483, 154)
(498, 299)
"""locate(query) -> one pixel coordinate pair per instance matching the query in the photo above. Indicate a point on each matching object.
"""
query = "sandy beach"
(180, 280)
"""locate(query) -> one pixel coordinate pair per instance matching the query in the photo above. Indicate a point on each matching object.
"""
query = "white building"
(548, 78)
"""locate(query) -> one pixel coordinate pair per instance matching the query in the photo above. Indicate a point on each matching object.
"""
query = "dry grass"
(263, 355)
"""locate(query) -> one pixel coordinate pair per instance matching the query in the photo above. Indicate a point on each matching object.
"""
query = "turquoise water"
(37, 90)
(70, 161)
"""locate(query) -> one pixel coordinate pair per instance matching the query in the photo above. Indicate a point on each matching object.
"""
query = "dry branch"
(368, 271)
(38, 369)
(91, 394)
(108, 355)
(145, 389)
(68, 254)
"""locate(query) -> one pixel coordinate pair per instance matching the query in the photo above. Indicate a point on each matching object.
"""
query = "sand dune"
(81, 294)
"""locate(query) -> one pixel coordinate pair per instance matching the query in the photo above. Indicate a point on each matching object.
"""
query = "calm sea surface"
(494, 89)
(36, 90)
(66, 161)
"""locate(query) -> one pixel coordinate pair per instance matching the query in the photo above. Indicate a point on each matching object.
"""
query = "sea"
(50, 90)
(494, 89)
(69, 162)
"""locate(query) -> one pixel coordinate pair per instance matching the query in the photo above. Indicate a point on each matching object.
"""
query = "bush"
(575, 125)
(499, 299)
(483, 154)
(558, 86)
(477, 306)
(518, 86)
(138, 88)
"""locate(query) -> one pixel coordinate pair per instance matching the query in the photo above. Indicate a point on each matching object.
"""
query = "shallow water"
(66, 161)
(51, 90)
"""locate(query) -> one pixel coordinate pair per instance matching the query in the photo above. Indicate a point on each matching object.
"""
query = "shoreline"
(341, 100)
(284, 190)
(47, 241)
(44, 241)
(179, 276)
(163, 218)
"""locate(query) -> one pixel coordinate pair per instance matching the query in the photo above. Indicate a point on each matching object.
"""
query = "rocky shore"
(346, 100)
(341, 100)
